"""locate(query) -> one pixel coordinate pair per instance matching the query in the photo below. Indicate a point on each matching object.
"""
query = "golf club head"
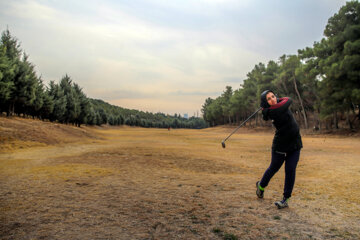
(223, 144)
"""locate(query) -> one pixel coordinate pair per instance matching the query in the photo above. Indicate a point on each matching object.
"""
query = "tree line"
(323, 80)
(23, 93)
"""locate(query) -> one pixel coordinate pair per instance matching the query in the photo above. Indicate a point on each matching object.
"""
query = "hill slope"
(18, 133)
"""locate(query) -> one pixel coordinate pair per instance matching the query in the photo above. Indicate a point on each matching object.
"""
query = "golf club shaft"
(242, 124)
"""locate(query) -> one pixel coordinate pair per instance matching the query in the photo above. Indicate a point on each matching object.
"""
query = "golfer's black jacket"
(287, 136)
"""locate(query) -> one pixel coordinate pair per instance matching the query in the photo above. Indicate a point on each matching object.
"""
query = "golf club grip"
(242, 124)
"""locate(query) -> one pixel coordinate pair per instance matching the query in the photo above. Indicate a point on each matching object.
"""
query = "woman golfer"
(286, 144)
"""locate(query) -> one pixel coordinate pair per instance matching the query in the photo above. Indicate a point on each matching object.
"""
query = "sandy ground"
(134, 183)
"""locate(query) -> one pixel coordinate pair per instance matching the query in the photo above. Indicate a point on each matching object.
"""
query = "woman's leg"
(291, 161)
(277, 159)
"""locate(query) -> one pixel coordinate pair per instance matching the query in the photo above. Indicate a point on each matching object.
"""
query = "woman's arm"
(276, 109)
(281, 106)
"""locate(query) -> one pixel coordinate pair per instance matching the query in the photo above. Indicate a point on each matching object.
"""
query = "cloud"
(194, 93)
(170, 104)
(30, 10)
(140, 52)
(111, 95)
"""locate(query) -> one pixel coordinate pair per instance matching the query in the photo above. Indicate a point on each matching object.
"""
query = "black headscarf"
(264, 103)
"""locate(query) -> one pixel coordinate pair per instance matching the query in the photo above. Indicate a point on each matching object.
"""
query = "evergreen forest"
(23, 93)
(323, 81)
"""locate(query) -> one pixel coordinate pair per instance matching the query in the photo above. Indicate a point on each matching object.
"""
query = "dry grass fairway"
(134, 183)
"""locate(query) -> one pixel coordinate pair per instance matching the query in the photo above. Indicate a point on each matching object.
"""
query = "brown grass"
(134, 183)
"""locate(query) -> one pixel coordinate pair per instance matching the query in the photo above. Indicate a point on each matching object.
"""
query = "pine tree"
(342, 68)
(35, 108)
(59, 100)
(25, 83)
(84, 105)
(6, 76)
(48, 106)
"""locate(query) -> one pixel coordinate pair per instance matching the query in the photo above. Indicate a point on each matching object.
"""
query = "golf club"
(223, 142)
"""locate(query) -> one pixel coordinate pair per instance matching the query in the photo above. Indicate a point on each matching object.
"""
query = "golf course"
(64, 182)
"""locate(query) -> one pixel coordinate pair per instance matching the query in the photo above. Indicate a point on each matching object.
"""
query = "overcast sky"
(158, 55)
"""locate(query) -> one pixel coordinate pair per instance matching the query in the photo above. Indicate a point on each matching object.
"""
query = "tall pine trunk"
(301, 103)
(348, 119)
(317, 119)
(336, 125)
(256, 120)
(285, 88)
(11, 108)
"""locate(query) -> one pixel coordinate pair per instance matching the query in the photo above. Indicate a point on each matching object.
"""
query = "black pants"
(277, 159)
